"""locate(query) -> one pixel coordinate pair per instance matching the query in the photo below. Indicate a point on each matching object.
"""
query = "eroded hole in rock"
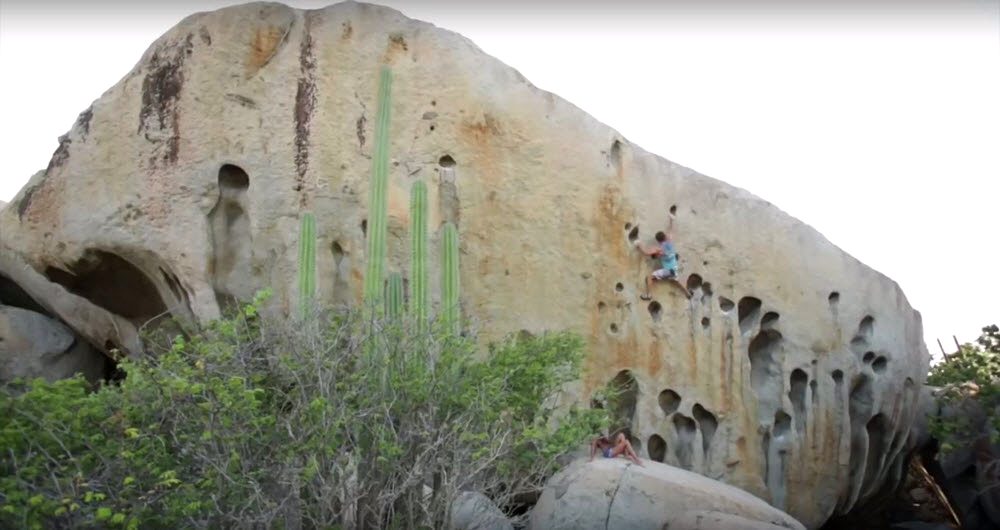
(765, 370)
(230, 230)
(111, 282)
(708, 424)
(657, 448)
(342, 274)
(673, 209)
(782, 424)
(705, 323)
(862, 339)
(669, 401)
(867, 327)
(725, 304)
(776, 457)
(834, 299)
(619, 287)
(628, 226)
(769, 320)
(601, 306)
(685, 430)
(622, 399)
(797, 395)
(869, 357)
(613, 328)
(449, 202)
(364, 227)
(615, 155)
(693, 282)
(860, 405)
(747, 312)
(633, 234)
(880, 364)
(878, 430)
(838, 377)
(706, 292)
(655, 310)
(813, 389)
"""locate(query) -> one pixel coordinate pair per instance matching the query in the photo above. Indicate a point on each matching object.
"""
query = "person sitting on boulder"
(612, 446)
(668, 260)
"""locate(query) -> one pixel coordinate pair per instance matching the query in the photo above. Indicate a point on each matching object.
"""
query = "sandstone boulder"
(615, 494)
(34, 345)
(792, 372)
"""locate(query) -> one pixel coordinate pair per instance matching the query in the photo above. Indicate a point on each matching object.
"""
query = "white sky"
(877, 124)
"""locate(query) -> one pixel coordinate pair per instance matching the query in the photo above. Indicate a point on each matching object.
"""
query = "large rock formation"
(792, 372)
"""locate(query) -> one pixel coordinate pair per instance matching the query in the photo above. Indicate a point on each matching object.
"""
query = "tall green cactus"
(307, 262)
(418, 253)
(377, 191)
(449, 278)
(394, 296)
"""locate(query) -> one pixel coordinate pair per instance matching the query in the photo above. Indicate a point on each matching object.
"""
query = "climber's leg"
(658, 274)
(649, 283)
(624, 447)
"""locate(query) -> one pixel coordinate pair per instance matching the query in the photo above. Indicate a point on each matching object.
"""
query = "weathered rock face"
(792, 372)
(34, 345)
(614, 494)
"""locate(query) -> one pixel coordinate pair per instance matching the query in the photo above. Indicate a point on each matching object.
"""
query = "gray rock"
(34, 345)
(475, 511)
(609, 494)
(707, 520)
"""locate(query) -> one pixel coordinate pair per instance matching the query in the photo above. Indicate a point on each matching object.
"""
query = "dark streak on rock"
(205, 36)
(242, 100)
(305, 99)
(83, 120)
(61, 153)
(397, 40)
(361, 130)
(22, 205)
(161, 89)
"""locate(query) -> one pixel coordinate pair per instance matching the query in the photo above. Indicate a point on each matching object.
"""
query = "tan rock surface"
(181, 187)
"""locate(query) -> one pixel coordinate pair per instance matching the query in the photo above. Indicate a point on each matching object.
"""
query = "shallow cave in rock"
(113, 283)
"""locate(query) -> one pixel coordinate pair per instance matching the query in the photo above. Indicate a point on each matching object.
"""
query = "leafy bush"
(331, 421)
(969, 377)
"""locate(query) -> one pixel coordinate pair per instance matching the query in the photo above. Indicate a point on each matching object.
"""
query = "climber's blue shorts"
(607, 452)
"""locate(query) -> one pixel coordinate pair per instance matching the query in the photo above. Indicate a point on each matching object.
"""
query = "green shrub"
(972, 375)
(336, 420)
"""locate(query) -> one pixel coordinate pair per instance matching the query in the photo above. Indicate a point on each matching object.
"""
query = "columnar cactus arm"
(394, 296)
(449, 278)
(377, 191)
(418, 253)
(307, 261)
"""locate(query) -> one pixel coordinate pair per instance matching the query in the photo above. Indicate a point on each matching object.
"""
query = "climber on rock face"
(664, 250)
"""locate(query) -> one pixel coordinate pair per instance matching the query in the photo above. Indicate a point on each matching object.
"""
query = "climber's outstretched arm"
(670, 226)
(649, 251)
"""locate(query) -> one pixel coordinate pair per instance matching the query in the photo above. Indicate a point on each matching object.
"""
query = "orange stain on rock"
(263, 45)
